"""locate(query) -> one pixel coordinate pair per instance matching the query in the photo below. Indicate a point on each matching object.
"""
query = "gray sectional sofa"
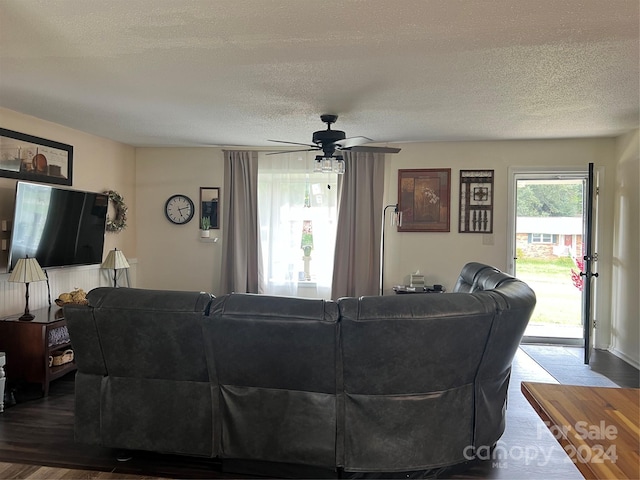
(402, 383)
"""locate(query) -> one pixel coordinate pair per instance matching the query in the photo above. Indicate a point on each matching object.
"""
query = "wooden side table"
(29, 344)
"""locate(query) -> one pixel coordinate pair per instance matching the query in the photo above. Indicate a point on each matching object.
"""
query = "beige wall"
(440, 256)
(625, 311)
(173, 257)
(99, 164)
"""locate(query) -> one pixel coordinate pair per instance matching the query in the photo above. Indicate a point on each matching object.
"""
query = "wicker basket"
(60, 358)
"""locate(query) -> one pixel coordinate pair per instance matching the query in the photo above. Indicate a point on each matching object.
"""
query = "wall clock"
(179, 209)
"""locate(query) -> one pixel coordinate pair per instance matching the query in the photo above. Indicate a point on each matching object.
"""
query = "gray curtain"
(356, 268)
(241, 264)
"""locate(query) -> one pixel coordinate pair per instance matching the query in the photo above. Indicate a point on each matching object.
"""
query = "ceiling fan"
(332, 141)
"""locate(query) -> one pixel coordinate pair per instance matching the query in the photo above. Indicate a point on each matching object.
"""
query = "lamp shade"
(27, 270)
(115, 260)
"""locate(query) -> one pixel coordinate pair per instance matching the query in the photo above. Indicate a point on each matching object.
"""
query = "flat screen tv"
(59, 227)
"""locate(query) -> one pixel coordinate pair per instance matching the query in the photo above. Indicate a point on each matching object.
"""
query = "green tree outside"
(550, 200)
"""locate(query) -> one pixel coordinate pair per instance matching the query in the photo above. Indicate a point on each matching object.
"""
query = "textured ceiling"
(240, 72)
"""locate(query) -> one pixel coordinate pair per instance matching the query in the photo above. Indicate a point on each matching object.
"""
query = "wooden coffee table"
(596, 426)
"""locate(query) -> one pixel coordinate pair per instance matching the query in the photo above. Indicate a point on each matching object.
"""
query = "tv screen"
(57, 226)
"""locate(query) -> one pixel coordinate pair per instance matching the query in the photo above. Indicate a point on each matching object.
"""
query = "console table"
(598, 427)
(29, 344)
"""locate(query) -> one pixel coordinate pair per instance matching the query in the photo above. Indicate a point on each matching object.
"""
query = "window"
(542, 238)
(297, 211)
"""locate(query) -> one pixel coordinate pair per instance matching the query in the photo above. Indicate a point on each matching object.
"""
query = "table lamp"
(115, 260)
(27, 270)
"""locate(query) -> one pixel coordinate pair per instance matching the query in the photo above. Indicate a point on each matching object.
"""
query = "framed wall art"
(476, 201)
(26, 157)
(424, 198)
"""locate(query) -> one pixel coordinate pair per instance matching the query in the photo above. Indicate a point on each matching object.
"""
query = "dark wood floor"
(39, 431)
(37, 472)
(566, 365)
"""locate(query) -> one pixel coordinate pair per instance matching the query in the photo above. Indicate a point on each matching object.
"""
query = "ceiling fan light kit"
(329, 164)
(332, 141)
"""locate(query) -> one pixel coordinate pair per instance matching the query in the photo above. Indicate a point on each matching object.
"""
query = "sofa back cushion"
(141, 359)
(151, 333)
(409, 366)
(412, 343)
(275, 362)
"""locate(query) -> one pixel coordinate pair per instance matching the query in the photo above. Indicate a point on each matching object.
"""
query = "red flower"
(578, 281)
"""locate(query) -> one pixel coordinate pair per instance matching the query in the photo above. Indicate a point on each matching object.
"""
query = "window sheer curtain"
(290, 199)
(356, 269)
(241, 266)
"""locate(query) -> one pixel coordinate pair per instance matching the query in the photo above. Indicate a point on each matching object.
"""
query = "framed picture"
(26, 157)
(424, 198)
(209, 202)
(476, 201)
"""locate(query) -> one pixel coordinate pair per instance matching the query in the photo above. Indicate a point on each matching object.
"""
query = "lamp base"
(27, 317)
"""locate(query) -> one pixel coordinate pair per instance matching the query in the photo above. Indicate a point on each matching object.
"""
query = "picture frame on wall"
(476, 201)
(424, 198)
(25, 157)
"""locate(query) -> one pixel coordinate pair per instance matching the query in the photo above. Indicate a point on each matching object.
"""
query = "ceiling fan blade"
(292, 151)
(294, 143)
(373, 149)
(352, 142)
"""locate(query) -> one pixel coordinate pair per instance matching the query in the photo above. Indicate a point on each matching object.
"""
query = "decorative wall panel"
(476, 201)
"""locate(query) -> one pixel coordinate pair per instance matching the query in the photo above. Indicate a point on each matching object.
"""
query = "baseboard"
(634, 363)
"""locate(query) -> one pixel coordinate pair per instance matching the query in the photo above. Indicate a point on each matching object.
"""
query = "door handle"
(584, 274)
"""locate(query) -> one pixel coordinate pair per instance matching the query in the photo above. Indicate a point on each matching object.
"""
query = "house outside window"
(548, 237)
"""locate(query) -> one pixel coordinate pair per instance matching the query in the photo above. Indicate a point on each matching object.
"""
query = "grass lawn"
(559, 301)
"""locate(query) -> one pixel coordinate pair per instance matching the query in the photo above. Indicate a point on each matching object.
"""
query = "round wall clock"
(179, 209)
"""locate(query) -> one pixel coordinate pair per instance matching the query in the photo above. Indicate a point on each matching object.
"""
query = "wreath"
(119, 223)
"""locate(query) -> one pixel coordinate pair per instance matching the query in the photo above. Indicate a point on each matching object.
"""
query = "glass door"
(550, 233)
